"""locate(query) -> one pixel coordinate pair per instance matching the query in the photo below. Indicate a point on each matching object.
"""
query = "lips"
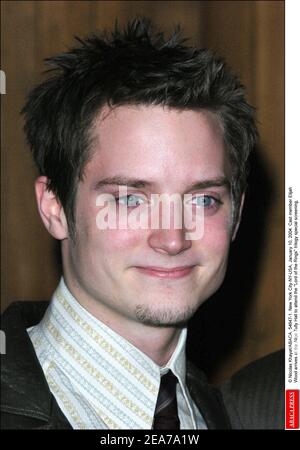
(161, 272)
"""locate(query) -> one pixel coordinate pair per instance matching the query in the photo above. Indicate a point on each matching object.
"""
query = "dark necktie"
(166, 414)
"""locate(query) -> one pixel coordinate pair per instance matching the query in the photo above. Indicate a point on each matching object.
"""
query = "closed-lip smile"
(162, 272)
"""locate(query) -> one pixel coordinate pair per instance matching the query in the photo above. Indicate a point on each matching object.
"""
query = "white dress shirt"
(99, 379)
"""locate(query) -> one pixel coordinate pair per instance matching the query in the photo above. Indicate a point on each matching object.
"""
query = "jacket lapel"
(24, 388)
(207, 398)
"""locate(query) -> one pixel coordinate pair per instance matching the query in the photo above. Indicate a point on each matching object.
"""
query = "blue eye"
(204, 201)
(130, 200)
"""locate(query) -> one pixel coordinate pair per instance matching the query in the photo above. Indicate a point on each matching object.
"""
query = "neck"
(157, 342)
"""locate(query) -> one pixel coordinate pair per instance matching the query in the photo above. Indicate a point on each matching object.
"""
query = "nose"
(169, 241)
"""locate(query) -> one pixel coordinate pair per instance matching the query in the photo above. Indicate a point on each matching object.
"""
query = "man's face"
(125, 273)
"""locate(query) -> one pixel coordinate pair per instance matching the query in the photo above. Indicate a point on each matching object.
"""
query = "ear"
(51, 210)
(239, 218)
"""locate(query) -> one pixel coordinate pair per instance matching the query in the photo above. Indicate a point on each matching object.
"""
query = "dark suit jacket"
(26, 401)
(254, 396)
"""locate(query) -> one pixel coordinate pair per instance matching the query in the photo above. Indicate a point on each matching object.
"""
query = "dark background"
(245, 319)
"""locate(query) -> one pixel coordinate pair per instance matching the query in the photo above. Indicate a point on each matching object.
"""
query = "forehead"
(157, 143)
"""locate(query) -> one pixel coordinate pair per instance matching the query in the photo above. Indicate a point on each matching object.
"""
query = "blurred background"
(245, 319)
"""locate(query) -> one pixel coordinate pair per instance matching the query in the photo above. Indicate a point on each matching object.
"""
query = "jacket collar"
(24, 389)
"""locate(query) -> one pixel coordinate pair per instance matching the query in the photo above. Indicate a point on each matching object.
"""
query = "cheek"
(217, 237)
(118, 241)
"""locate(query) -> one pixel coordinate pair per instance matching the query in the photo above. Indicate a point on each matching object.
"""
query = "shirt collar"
(113, 354)
(177, 362)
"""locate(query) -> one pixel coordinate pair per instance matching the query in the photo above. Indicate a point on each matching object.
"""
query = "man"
(126, 118)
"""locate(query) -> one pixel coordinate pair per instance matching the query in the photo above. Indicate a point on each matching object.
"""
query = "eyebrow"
(139, 183)
(122, 181)
(214, 182)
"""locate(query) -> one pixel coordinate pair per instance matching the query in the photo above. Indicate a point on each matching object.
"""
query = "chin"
(167, 317)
